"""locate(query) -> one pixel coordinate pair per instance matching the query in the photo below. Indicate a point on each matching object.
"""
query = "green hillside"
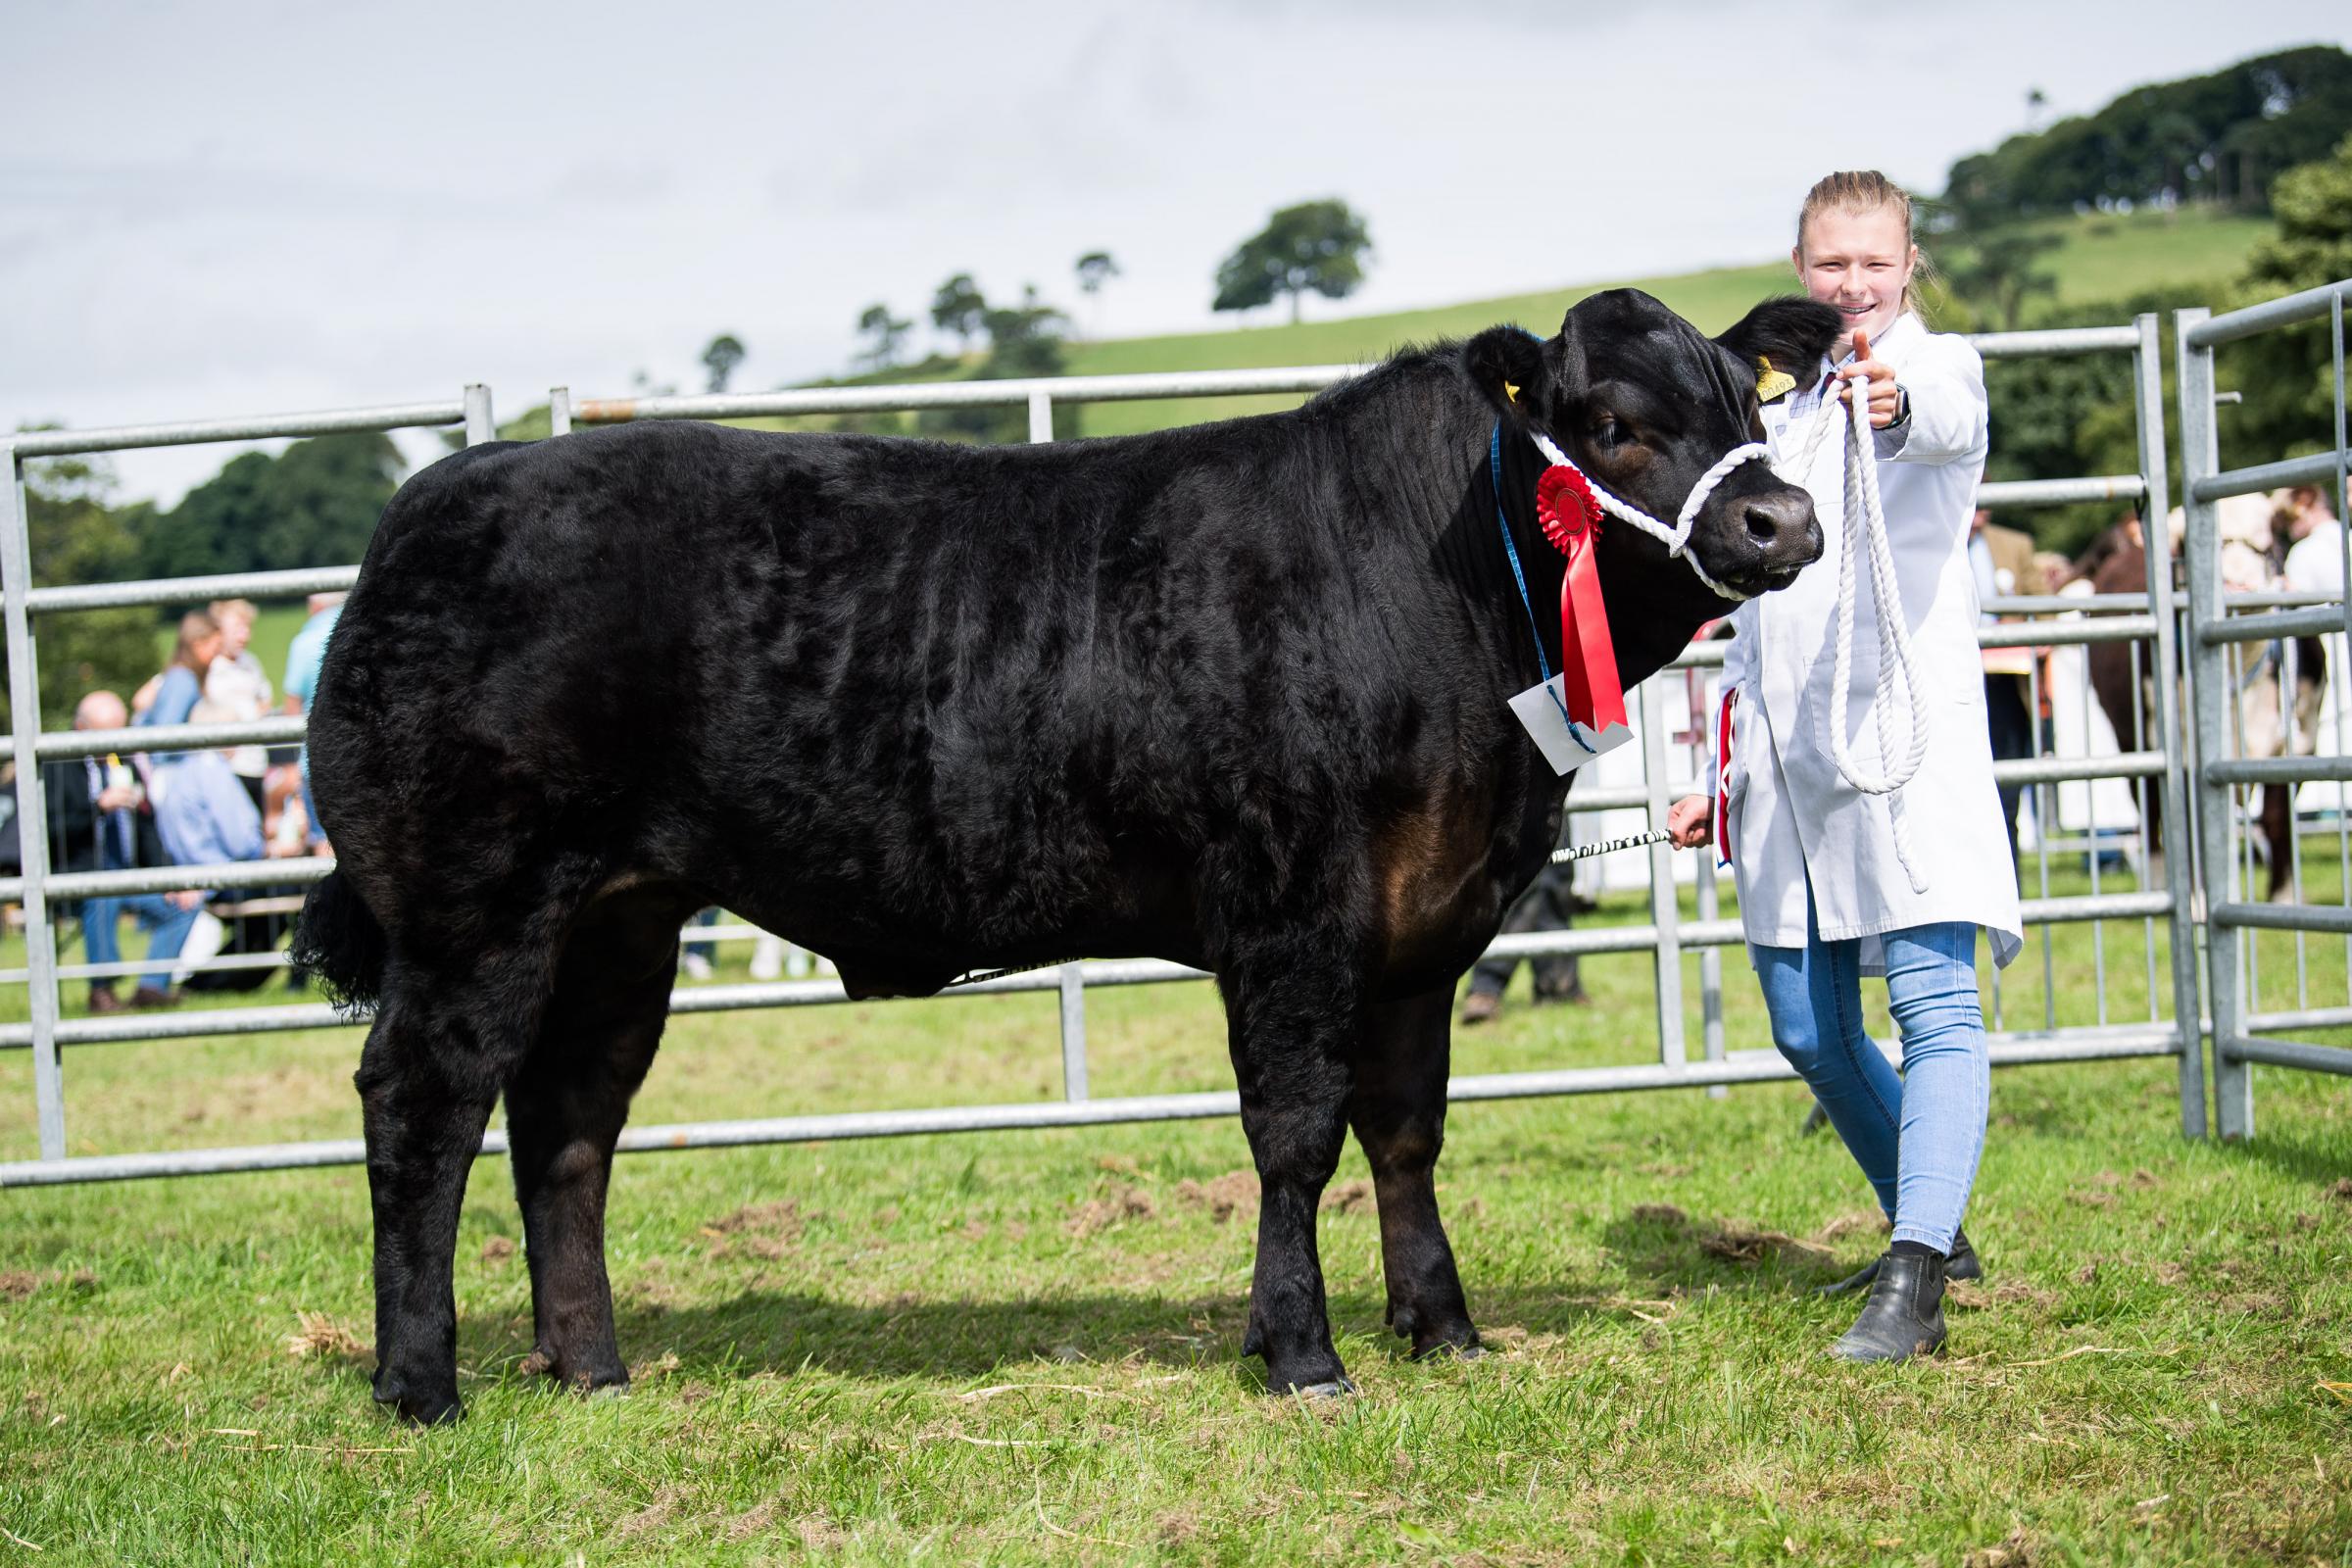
(2102, 256)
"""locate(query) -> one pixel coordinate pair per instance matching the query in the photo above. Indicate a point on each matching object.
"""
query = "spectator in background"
(2002, 563)
(236, 682)
(171, 696)
(98, 821)
(2315, 555)
(303, 658)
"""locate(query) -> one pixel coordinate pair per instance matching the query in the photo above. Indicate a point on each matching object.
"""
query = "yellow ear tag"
(1511, 389)
(1772, 384)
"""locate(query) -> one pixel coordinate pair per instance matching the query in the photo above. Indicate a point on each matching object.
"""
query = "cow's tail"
(339, 944)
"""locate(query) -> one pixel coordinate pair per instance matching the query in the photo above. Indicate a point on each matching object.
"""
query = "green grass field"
(1013, 1348)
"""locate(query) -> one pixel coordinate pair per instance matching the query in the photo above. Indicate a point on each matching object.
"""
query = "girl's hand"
(1691, 821)
(1882, 390)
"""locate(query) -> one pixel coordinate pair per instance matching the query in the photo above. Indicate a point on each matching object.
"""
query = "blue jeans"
(1918, 1138)
(166, 924)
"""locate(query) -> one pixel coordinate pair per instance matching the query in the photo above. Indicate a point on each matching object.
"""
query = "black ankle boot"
(1962, 1264)
(1904, 1315)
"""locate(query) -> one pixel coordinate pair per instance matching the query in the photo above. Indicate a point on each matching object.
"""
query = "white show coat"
(1792, 817)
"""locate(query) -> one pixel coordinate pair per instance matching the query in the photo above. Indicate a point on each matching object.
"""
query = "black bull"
(1232, 695)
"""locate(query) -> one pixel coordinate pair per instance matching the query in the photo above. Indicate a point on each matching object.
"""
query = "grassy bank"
(1019, 1346)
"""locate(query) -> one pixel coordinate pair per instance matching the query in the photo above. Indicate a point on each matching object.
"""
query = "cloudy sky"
(249, 206)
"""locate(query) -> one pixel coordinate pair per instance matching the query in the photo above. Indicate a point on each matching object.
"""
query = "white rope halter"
(1866, 533)
(1676, 539)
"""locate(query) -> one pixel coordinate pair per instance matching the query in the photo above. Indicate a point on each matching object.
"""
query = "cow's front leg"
(1398, 1112)
(1287, 1037)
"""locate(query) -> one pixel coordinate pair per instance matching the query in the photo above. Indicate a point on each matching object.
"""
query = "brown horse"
(2117, 562)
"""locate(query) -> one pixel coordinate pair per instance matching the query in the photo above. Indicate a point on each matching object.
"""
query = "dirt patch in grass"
(2342, 1189)
(1122, 1202)
(2017, 1551)
(318, 1337)
(1739, 1243)
(1856, 1222)
(2009, 1293)
(1347, 1198)
(654, 1515)
(498, 1250)
(1659, 1214)
(17, 1284)
(765, 1230)
(1224, 1197)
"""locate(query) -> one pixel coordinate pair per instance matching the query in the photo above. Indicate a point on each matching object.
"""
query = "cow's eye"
(1610, 432)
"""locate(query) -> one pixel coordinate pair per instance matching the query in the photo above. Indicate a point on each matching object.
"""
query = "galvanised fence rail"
(2232, 637)
(2144, 621)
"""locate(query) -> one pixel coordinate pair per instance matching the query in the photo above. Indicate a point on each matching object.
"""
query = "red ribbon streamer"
(1723, 778)
(1569, 516)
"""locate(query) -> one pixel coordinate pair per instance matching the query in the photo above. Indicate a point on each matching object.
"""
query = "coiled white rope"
(1866, 535)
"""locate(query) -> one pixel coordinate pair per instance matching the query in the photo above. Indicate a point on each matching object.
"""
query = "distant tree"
(1096, 269)
(720, 359)
(958, 308)
(885, 335)
(2218, 138)
(2289, 378)
(1317, 247)
(1024, 340)
(78, 536)
(313, 505)
(1994, 275)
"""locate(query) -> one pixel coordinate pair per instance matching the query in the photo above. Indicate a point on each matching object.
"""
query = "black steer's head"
(1645, 405)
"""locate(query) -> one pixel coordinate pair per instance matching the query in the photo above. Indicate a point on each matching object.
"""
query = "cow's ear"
(1508, 365)
(1791, 333)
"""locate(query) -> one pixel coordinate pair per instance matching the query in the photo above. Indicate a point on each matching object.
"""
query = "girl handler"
(1834, 882)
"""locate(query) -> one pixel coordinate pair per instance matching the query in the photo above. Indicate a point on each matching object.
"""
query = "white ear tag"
(1565, 744)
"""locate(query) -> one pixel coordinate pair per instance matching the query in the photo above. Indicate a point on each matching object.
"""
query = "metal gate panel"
(2222, 628)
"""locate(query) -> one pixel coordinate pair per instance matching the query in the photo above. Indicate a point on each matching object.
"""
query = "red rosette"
(1565, 507)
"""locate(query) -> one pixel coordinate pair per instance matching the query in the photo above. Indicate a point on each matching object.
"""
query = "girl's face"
(236, 632)
(1858, 262)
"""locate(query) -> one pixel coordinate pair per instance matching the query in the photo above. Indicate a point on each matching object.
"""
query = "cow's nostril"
(1763, 529)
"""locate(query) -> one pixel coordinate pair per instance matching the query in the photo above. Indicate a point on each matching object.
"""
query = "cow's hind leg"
(1289, 1035)
(566, 1106)
(440, 1045)
(1399, 1112)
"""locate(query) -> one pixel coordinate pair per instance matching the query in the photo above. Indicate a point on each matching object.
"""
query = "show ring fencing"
(2144, 620)
(2231, 636)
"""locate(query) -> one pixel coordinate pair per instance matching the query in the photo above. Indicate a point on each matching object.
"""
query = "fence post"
(479, 425)
(2200, 457)
(32, 817)
(1073, 1032)
(559, 410)
(1665, 905)
(2172, 807)
(1073, 975)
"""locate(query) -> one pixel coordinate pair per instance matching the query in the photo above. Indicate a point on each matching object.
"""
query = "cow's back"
(921, 693)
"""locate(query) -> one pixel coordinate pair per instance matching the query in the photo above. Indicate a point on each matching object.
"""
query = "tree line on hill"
(2204, 140)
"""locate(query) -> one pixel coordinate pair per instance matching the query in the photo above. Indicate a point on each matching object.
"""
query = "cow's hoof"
(1336, 1388)
(439, 1407)
(1464, 1349)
